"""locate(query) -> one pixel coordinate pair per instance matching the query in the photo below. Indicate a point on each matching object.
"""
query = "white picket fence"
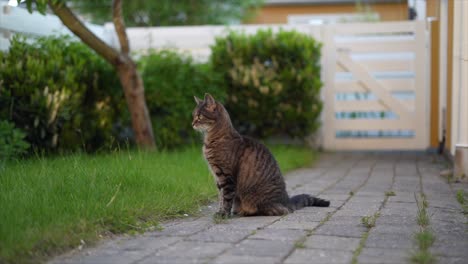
(375, 75)
(198, 39)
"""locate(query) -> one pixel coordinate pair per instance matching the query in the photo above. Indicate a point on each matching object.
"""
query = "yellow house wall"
(278, 14)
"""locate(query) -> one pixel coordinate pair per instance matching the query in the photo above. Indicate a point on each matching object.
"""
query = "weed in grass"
(299, 244)
(462, 200)
(422, 257)
(461, 197)
(422, 204)
(422, 218)
(369, 221)
(220, 219)
(450, 178)
(357, 252)
(425, 203)
(425, 239)
(390, 193)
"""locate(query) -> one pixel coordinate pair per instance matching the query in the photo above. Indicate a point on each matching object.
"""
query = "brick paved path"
(358, 185)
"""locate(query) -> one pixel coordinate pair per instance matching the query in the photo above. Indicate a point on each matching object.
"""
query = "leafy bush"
(171, 80)
(273, 81)
(60, 93)
(12, 142)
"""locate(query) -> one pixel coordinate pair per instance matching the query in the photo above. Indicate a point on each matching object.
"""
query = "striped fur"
(247, 175)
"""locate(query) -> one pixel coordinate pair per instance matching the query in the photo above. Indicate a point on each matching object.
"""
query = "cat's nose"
(193, 123)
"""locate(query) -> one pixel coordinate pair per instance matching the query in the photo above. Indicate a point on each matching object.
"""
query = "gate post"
(329, 68)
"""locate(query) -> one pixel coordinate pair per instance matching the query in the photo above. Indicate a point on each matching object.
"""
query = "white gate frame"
(412, 114)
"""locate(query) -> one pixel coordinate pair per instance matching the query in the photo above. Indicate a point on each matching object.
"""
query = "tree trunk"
(132, 85)
(126, 68)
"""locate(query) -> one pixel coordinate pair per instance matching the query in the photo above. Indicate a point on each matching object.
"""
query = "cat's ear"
(197, 100)
(210, 102)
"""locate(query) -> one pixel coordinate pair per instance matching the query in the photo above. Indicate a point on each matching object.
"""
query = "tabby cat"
(248, 178)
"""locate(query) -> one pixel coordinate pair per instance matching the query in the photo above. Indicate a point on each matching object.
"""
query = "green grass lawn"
(47, 205)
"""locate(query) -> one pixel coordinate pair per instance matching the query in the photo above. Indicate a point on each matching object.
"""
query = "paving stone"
(360, 199)
(250, 223)
(187, 250)
(451, 246)
(399, 209)
(334, 197)
(341, 230)
(279, 234)
(332, 242)
(335, 191)
(183, 228)
(345, 220)
(395, 229)
(402, 197)
(318, 256)
(261, 248)
(448, 203)
(173, 260)
(310, 214)
(396, 220)
(369, 192)
(311, 189)
(235, 259)
(451, 260)
(360, 205)
(323, 211)
(390, 240)
(358, 210)
(375, 189)
(304, 225)
(457, 231)
(220, 233)
(384, 165)
(383, 256)
(409, 171)
(400, 187)
(446, 214)
(345, 187)
(121, 251)
(336, 203)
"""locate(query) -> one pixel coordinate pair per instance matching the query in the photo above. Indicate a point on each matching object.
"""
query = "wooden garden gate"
(376, 89)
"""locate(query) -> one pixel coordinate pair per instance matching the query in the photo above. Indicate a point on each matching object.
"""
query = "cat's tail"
(302, 200)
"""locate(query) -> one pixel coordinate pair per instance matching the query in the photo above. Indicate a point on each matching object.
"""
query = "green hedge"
(171, 80)
(65, 97)
(12, 143)
(273, 82)
(60, 93)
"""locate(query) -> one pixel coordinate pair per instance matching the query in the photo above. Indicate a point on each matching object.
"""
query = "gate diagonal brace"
(361, 74)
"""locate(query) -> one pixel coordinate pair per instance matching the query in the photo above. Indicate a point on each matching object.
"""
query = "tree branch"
(69, 19)
(120, 26)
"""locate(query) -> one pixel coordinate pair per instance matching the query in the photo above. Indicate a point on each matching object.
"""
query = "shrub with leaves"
(12, 143)
(273, 82)
(171, 80)
(60, 93)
